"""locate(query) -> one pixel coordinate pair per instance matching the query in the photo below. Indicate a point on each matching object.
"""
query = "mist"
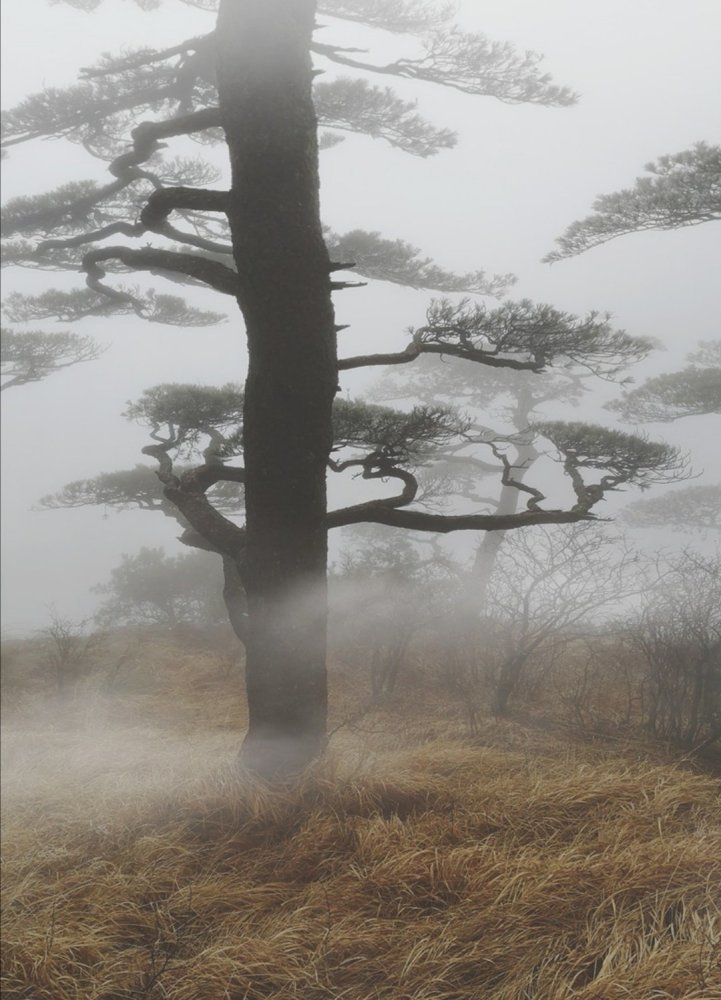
(387, 672)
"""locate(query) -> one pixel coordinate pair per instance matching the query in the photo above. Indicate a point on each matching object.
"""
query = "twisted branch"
(208, 272)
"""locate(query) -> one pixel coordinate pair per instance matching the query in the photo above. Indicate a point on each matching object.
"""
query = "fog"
(648, 75)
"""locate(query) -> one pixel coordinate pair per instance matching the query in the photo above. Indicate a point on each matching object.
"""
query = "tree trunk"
(487, 554)
(234, 598)
(264, 82)
(507, 683)
(490, 545)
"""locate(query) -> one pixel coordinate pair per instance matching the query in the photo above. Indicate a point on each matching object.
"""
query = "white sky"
(649, 77)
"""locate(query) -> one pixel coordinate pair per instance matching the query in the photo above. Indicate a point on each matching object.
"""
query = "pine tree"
(249, 85)
(31, 356)
(683, 189)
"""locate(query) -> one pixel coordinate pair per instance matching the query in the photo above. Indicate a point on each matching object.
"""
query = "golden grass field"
(412, 864)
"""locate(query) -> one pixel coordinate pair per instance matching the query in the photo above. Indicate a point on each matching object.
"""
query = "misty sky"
(649, 77)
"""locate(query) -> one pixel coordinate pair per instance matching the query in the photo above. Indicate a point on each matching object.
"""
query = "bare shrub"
(678, 639)
(69, 652)
(549, 586)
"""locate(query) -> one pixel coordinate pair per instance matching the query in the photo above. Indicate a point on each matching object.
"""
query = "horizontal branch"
(469, 63)
(162, 202)
(63, 206)
(201, 479)
(376, 512)
(77, 118)
(414, 350)
(130, 229)
(146, 136)
(154, 218)
(208, 272)
(144, 57)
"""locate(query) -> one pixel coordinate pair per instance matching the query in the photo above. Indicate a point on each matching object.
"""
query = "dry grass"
(138, 865)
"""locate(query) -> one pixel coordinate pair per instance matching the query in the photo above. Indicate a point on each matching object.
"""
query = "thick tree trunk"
(264, 81)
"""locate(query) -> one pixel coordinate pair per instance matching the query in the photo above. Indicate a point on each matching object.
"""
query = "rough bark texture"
(264, 79)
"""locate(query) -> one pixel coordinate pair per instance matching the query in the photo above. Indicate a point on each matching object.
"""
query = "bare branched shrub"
(549, 585)
(69, 652)
(659, 669)
(678, 639)
(600, 682)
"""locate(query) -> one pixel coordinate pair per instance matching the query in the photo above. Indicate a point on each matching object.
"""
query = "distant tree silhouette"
(33, 356)
(151, 588)
(684, 189)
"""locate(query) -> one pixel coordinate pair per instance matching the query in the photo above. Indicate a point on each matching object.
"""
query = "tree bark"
(264, 82)
(234, 598)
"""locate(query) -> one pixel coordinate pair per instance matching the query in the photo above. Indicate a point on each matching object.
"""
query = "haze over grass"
(138, 864)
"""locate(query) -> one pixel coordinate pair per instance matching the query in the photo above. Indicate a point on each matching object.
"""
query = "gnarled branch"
(208, 272)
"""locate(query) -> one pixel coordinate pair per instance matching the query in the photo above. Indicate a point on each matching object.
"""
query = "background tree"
(375, 442)
(260, 241)
(691, 392)
(694, 508)
(684, 189)
(32, 356)
(514, 401)
(151, 588)
(190, 412)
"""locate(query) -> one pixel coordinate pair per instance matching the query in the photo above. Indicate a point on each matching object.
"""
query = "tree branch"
(385, 471)
(208, 272)
(415, 349)
(144, 58)
(376, 512)
(201, 479)
(536, 496)
(156, 212)
(471, 64)
(146, 136)
(187, 493)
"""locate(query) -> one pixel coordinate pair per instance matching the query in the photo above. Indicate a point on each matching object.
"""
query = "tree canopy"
(31, 355)
(692, 391)
(694, 508)
(151, 588)
(684, 189)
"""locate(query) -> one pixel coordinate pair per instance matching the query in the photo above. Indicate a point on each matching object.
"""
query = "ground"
(414, 863)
